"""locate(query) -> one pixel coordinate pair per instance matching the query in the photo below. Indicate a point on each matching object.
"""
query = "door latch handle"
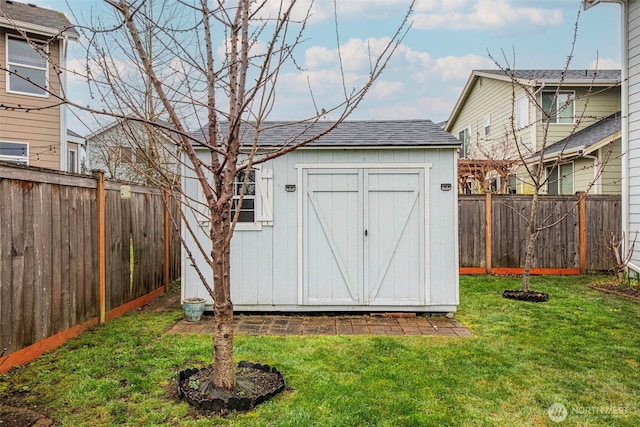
(366, 232)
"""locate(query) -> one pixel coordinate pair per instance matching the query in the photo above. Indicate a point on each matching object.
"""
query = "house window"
(72, 161)
(126, 154)
(27, 68)
(465, 137)
(487, 125)
(522, 112)
(558, 109)
(513, 185)
(16, 152)
(248, 207)
(560, 179)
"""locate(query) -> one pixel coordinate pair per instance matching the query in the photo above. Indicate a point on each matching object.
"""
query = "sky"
(448, 39)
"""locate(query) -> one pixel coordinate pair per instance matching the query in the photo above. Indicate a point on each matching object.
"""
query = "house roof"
(537, 78)
(35, 19)
(375, 133)
(119, 123)
(74, 134)
(587, 139)
(555, 76)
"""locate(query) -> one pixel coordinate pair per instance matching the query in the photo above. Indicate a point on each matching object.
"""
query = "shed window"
(256, 210)
(487, 125)
(248, 206)
(27, 66)
(558, 109)
(16, 152)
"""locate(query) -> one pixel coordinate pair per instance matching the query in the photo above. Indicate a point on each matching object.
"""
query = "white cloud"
(453, 68)
(383, 90)
(604, 64)
(355, 53)
(481, 15)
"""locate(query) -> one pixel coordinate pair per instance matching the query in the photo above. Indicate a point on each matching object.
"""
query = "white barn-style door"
(363, 236)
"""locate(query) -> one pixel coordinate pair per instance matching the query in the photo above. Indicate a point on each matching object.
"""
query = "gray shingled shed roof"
(375, 133)
(555, 75)
(37, 17)
(587, 136)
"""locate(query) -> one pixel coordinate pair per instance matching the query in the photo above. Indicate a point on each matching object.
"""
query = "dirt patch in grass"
(11, 416)
(627, 291)
(14, 413)
(168, 301)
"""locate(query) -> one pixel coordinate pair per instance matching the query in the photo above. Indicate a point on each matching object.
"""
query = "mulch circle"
(255, 384)
(531, 296)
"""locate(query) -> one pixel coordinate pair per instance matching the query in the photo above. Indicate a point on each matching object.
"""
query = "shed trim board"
(365, 288)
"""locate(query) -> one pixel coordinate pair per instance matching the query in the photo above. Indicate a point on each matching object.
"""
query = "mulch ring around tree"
(531, 296)
(255, 384)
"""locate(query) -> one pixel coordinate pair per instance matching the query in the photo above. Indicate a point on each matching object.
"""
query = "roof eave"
(461, 99)
(37, 29)
(587, 149)
(475, 74)
(371, 146)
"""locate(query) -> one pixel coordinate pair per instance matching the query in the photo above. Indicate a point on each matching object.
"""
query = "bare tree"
(222, 91)
(534, 165)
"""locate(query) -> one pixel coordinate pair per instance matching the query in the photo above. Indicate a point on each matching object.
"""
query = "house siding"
(612, 172)
(634, 127)
(39, 128)
(494, 97)
(588, 110)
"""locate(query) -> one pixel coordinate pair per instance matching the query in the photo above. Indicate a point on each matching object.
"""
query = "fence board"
(557, 247)
(49, 253)
(603, 217)
(471, 236)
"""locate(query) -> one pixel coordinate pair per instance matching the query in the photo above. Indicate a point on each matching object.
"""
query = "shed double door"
(363, 236)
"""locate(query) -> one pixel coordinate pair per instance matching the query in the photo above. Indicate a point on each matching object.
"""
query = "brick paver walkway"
(329, 325)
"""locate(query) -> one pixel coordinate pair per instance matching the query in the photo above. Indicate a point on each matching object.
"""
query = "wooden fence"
(493, 232)
(75, 251)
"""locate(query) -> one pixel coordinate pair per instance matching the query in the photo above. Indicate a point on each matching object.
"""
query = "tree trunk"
(223, 367)
(531, 242)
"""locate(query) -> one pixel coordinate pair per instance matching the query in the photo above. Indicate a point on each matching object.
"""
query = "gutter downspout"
(63, 108)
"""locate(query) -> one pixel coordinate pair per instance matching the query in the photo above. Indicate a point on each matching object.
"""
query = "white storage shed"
(363, 219)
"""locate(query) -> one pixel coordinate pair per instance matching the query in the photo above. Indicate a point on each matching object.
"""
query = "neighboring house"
(132, 151)
(630, 126)
(30, 68)
(364, 218)
(76, 152)
(491, 106)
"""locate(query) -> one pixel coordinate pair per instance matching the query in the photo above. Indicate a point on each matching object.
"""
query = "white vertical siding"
(633, 176)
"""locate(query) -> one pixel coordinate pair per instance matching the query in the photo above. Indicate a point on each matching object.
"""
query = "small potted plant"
(193, 308)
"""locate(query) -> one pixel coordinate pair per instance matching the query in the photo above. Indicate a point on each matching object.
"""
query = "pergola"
(480, 170)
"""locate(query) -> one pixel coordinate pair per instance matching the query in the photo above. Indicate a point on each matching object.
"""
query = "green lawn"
(580, 349)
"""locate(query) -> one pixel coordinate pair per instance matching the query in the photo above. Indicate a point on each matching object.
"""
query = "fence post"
(487, 232)
(100, 203)
(582, 231)
(167, 236)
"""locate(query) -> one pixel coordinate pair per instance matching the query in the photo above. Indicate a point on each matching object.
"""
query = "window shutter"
(265, 191)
